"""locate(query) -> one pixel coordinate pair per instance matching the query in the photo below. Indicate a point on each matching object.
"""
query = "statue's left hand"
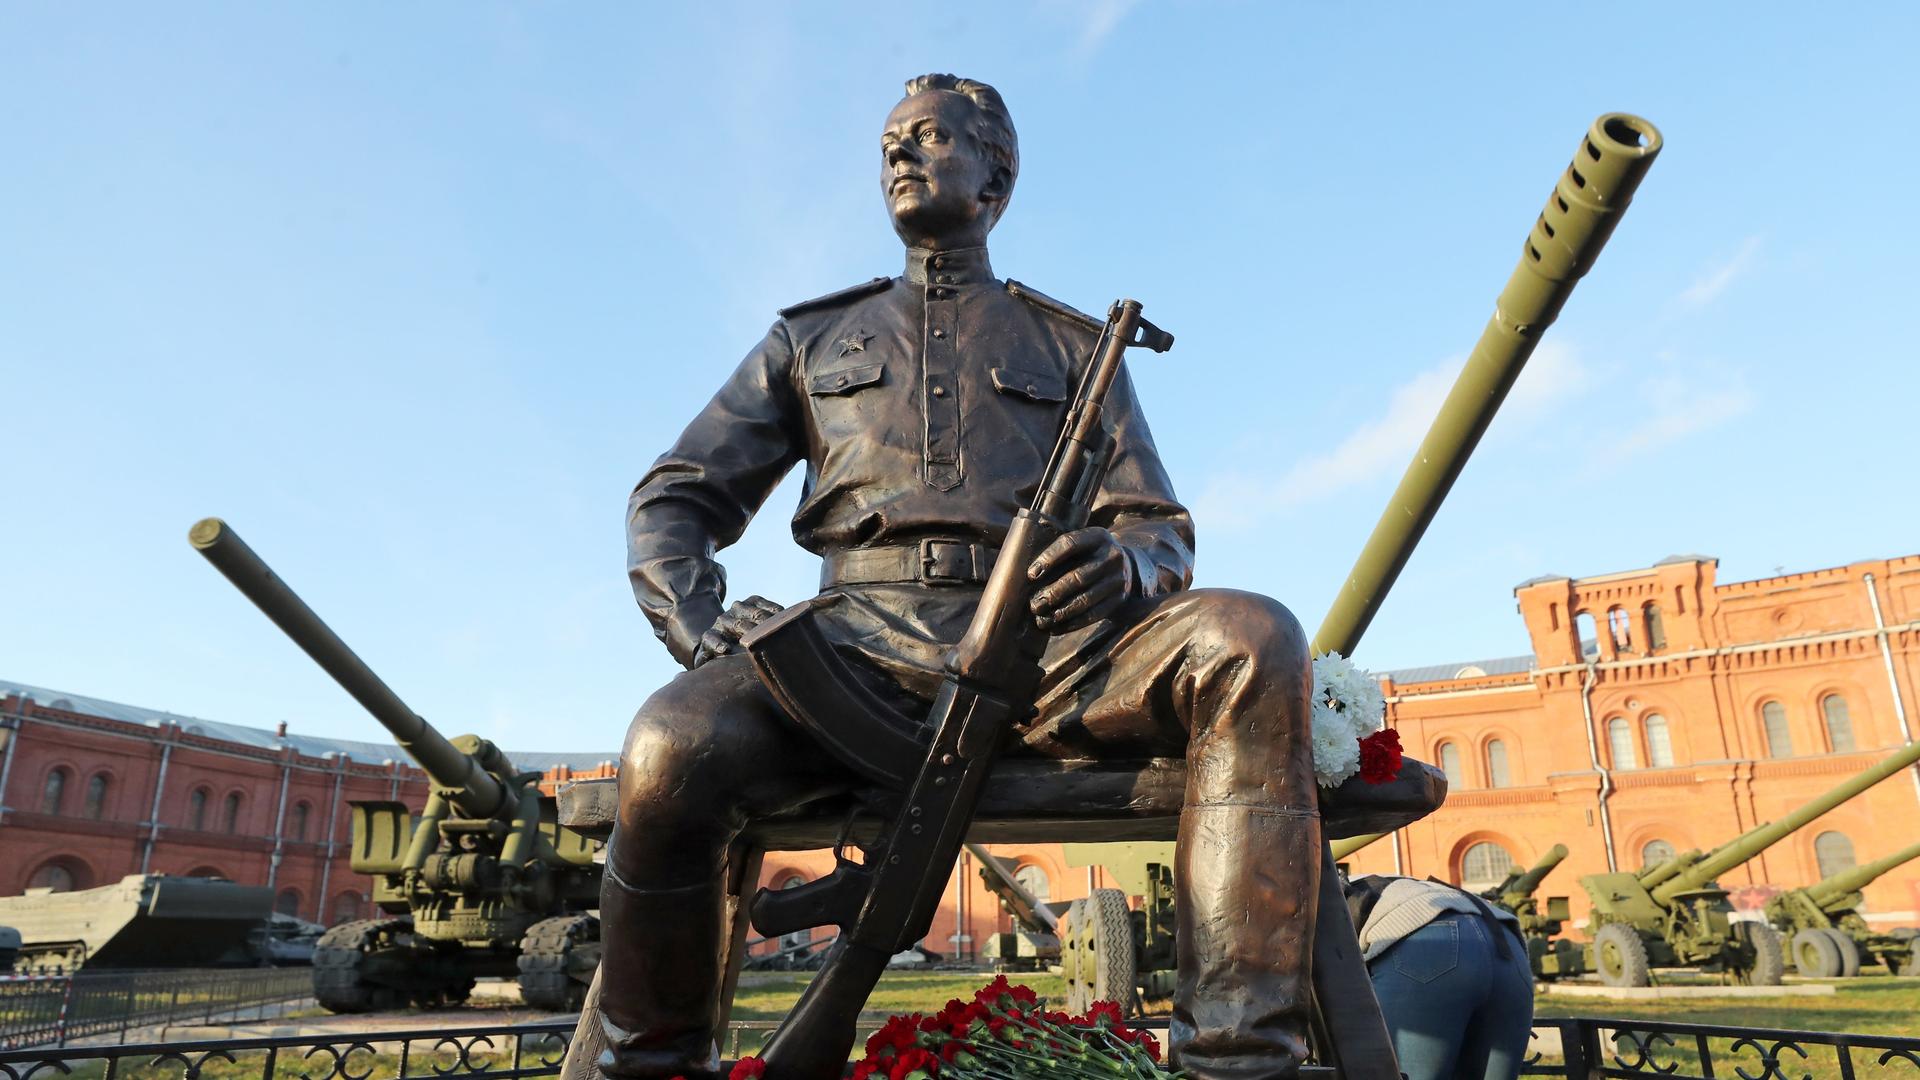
(1082, 577)
(723, 638)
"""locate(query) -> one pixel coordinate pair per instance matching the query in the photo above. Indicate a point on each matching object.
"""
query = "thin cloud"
(1677, 409)
(1708, 286)
(1101, 19)
(1384, 445)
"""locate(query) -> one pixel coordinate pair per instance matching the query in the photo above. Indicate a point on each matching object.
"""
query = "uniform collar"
(956, 266)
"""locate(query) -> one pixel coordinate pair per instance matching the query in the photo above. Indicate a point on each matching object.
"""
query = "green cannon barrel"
(477, 793)
(1667, 868)
(1753, 842)
(1524, 884)
(1580, 215)
(1345, 847)
(1847, 882)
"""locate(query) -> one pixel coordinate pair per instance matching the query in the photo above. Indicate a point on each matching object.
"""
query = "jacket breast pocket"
(1032, 385)
(841, 381)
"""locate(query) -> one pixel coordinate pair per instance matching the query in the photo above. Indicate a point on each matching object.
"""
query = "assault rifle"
(887, 902)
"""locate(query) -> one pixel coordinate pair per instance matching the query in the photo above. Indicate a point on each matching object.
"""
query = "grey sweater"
(1406, 905)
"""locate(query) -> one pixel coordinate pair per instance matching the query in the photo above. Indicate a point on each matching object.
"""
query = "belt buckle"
(946, 562)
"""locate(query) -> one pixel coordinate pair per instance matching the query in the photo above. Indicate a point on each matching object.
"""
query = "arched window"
(1620, 628)
(230, 813)
(1620, 744)
(97, 796)
(1834, 852)
(1450, 765)
(1656, 626)
(1659, 743)
(346, 908)
(208, 872)
(1497, 764)
(1773, 716)
(1484, 864)
(288, 902)
(1839, 724)
(53, 797)
(1655, 852)
(197, 810)
(1033, 878)
(300, 812)
(1586, 635)
(54, 876)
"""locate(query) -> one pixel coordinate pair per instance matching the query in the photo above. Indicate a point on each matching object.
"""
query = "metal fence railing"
(37, 1010)
(1579, 1048)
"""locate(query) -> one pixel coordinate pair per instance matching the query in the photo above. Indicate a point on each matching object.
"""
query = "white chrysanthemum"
(1347, 707)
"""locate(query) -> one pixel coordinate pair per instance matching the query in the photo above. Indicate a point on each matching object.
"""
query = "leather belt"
(933, 561)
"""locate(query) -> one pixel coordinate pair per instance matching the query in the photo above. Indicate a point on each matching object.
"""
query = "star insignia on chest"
(855, 342)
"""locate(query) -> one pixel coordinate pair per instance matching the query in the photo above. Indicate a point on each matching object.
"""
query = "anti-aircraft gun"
(1675, 914)
(484, 882)
(1827, 936)
(1550, 958)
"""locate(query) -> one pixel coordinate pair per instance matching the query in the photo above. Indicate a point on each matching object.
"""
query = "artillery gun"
(1675, 914)
(1034, 942)
(484, 882)
(1549, 956)
(1826, 934)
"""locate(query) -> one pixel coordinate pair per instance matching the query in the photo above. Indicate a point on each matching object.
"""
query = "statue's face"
(938, 181)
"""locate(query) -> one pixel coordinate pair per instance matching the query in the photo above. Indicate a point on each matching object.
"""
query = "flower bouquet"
(1349, 714)
(1004, 1033)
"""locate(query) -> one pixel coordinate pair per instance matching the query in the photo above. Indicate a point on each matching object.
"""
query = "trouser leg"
(1498, 1033)
(704, 756)
(1227, 675)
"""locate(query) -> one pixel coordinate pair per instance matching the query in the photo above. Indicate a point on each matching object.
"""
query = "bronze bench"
(1038, 801)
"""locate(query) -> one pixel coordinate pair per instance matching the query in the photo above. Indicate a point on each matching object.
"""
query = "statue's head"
(949, 156)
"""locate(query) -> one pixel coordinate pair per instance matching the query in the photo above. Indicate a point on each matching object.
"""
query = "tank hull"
(141, 921)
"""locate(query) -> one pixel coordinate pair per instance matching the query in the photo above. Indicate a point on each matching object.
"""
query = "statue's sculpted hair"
(993, 129)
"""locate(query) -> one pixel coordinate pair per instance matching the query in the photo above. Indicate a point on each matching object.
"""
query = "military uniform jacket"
(923, 406)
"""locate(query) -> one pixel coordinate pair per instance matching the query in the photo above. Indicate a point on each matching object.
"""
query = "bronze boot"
(1248, 879)
(659, 979)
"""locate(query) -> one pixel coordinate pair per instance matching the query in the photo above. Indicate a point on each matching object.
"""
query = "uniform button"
(841, 381)
(939, 391)
(945, 279)
(1032, 389)
(939, 261)
(937, 332)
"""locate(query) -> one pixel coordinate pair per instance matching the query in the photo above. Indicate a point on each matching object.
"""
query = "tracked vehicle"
(1825, 932)
(484, 882)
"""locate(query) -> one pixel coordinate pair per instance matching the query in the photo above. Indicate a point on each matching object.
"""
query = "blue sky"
(413, 295)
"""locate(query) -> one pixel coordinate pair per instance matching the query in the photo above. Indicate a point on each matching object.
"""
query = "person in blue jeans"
(1452, 976)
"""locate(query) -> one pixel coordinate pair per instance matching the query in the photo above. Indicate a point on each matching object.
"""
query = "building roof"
(1504, 665)
(368, 753)
(1672, 559)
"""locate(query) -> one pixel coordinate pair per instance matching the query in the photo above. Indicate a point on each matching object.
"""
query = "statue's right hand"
(723, 637)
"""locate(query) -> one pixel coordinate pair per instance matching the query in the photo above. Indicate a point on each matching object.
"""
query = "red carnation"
(1380, 756)
(748, 1068)
(1148, 1043)
(1022, 994)
(865, 1069)
(1108, 1009)
(915, 1060)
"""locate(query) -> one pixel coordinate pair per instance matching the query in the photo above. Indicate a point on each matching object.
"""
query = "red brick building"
(1662, 711)
(92, 790)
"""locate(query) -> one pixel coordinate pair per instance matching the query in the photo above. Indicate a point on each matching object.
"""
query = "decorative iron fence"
(39, 1009)
(1591, 1048)
(1580, 1048)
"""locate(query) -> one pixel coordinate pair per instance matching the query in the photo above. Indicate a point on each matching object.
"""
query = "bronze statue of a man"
(924, 407)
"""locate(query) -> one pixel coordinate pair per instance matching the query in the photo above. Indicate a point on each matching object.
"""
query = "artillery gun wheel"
(1096, 950)
(1620, 956)
(1849, 952)
(557, 958)
(1769, 958)
(338, 982)
(1815, 954)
